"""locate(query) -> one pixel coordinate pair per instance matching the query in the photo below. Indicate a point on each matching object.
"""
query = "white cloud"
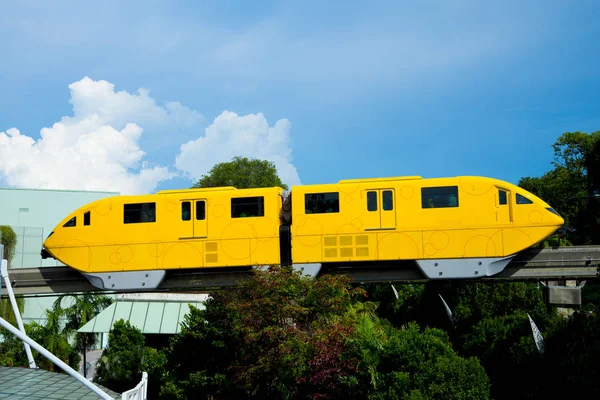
(99, 98)
(98, 148)
(81, 155)
(232, 135)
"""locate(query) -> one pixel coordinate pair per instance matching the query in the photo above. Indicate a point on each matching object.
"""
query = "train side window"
(186, 211)
(502, 197)
(139, 213)
(70, 223)
(388, 200)
(200, 210)
(321, 203)
(243, 207)
(86, 218)
(439, 197)
(523, 200)
(371, 201)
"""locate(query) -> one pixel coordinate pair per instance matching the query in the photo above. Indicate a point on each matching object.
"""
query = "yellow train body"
(412, 218)
(373, 220)
(171, 229)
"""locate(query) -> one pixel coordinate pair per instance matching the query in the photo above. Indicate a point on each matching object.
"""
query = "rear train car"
(458, 227)
(128, 242)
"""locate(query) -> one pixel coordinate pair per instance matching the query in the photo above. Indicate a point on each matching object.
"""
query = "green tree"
(489, 322)
(49, 336)
(570, 185)
(8, 238)
(282, 335)
(83, 309)
(277, 335)
(410, 364)
(121, 365)
(571, 358)
(242, 173)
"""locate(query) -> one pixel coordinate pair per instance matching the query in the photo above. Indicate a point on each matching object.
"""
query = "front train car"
(453, 227)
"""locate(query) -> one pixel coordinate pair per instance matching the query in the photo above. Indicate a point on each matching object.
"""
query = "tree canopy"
(121, 365)
(282, 335)
(571, 185)
(242, 173)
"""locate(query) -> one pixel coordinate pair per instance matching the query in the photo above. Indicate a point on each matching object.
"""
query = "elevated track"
(573, 263)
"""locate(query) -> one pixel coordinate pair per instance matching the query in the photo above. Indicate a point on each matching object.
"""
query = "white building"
(33, 213)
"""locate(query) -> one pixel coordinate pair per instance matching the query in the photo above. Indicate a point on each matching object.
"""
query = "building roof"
(59, 190)
(160, 317)
(29, 383)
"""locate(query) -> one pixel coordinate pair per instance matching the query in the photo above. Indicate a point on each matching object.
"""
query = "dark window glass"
(200, 210)
(388, 200)
(371, 201)
(502, 197)
(139, 213)
(319, 203)
(86, 218)
(523, 200)
(248, 207)
(71, 222)
(439, 197)
(186, 211)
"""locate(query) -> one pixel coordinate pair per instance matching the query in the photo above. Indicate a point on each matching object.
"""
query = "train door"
(388, 213)
(503, 206)
(381, 213)
(200, 222)
(186, 226)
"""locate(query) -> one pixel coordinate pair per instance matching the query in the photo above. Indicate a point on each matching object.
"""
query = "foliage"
(407, 363)
(12, 352)
(8, 238)
(278, 335)
(49, 336)
(7, 312)
(489, 322)
(569, 186)
(282, 335)
(83, 309)
(242, 173)
(590, 296)
(572, 358)
(121, 365)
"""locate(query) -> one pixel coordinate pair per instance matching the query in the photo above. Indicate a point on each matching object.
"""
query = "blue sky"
(335, 90)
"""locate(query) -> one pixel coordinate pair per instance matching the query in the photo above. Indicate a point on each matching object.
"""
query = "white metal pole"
(54, 359)
(11, 295)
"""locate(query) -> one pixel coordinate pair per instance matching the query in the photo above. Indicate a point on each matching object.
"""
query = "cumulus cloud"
(98, 148)
(95, 149)
(232, 135)
(81, 155)
(99, 98)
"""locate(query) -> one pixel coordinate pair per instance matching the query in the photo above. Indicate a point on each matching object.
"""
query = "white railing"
(13, 301)
(139, 392)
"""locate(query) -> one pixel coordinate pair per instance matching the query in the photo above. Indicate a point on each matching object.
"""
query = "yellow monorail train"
(459, 227)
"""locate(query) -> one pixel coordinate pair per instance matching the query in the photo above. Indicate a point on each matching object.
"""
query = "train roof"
(214, 189)
(390, 178)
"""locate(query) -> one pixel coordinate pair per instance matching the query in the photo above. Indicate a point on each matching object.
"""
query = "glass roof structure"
(150, 317)
(33, 384)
